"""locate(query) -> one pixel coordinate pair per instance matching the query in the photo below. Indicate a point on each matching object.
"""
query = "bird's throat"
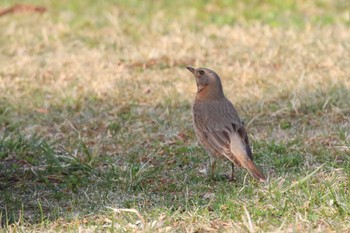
(209, 93)
(201, 88)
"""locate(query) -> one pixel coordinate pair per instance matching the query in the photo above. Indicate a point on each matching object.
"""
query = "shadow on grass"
(156, 166)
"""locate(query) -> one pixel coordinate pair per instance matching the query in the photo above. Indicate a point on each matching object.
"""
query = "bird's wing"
(220, 123)
(243, 134)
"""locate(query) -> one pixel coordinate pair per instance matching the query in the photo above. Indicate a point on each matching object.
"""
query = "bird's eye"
(201, 72)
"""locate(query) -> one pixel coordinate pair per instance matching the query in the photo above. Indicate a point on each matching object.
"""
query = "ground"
(95, 116)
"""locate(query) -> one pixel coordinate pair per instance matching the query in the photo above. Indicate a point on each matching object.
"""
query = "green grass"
(95, 116)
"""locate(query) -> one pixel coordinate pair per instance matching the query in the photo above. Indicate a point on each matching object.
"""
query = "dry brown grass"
(43, 69)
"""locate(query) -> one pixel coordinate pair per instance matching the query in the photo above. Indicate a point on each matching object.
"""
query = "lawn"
(95, 116)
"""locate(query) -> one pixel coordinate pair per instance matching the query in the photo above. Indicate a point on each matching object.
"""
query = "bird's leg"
(212, 166)
(232, 178)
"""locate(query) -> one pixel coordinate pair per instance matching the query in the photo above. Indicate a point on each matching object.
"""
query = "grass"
(95, 116)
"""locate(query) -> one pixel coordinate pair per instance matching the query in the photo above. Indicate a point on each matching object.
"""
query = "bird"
(218, 126)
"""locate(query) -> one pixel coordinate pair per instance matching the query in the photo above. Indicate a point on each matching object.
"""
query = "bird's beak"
(190, 69)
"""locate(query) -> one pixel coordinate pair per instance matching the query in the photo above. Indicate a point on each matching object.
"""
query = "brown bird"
(217, 125)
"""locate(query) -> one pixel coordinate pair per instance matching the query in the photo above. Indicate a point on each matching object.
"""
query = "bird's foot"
(230, 178)
(222, 177)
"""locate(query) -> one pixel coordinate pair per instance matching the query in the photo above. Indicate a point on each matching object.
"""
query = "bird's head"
(208, 82)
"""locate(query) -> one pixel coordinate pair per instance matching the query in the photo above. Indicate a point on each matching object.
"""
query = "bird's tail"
(254, 170)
